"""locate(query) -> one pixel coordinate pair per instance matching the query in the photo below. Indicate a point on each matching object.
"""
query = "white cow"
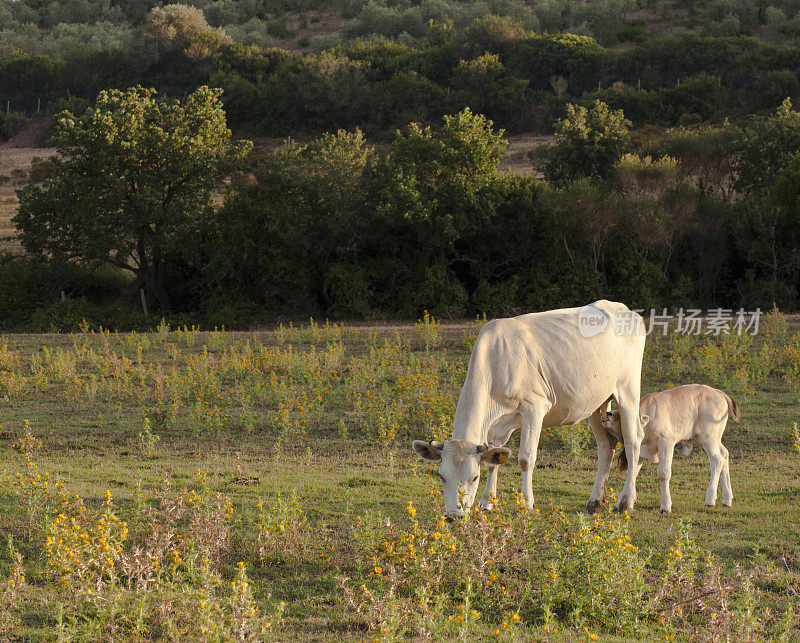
(678, 416)
(542, 369)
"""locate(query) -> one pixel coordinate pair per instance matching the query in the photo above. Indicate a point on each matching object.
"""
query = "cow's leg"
(499, 434)
(490, 490)
(667, 449)
(605, 453)
(632, 434)
(528, 448)
(716, 462)
(727, 490)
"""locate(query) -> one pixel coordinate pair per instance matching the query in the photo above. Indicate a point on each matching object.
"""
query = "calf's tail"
(733, 407)
(622, 460)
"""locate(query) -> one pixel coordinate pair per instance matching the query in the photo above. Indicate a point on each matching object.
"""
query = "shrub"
(170, 27)
(588, 144)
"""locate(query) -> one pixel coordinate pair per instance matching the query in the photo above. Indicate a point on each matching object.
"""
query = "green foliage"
(762, 232)
(706, 154)
(171, 26)
(310, 203)
(20, 72)
(440, 187)
(133, 181)
(487, 90)
(541, 57)
(588, 143)
(766, 147)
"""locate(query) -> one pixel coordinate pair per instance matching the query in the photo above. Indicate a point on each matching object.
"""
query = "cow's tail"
(733, 407)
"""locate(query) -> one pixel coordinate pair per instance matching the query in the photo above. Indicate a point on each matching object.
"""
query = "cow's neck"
(473, 412)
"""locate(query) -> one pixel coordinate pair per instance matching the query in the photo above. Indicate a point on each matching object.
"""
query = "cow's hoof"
(593, 506)
(622, 506)
(666, 513)
(487, 506)
(710, 506)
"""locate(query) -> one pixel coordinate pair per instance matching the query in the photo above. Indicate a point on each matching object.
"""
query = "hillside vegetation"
(671, 179)
(380, 65)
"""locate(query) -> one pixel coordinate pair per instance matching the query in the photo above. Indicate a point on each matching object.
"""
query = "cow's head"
(460, 469)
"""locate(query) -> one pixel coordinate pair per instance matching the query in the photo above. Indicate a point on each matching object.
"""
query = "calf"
(678, 416)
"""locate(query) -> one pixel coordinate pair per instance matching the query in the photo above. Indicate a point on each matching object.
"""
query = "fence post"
(144, 301)
(38, 104)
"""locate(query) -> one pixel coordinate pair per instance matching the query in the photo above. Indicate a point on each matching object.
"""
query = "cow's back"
(547, 356)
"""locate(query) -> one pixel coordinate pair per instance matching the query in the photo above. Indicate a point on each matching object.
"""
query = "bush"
(172, 26)
(588, 143)
(775, 86)
(20, 72)
(703, 95)
(765, 148)
(539, 58)
(11, 124)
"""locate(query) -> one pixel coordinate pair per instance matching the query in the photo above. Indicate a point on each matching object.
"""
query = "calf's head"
(611, 422)
(460, 469)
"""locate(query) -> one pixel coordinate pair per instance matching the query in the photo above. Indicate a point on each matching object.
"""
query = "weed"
(430, 333)
(147, 439)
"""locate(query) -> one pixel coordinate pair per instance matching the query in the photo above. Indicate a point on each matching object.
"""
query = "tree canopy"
(589, 141)
(133, 180)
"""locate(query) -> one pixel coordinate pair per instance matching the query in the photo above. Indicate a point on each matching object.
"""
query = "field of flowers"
(196, 485)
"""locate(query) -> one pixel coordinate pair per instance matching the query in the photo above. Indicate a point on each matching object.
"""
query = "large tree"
(133, 179)
(439, 185)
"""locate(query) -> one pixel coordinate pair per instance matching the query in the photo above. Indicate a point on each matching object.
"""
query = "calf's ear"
(645, 420)
(606, 420)
(431, 451)
(496, 455)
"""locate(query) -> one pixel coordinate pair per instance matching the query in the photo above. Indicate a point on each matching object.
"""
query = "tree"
(765, 148)
(483, 85)
(588, 143)
(439, 182)
(311, 202)
(172, 26)
(133, 179)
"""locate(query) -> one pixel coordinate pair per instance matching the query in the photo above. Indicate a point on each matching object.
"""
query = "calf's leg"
(666, 450)
(727, 490)
(716, 462)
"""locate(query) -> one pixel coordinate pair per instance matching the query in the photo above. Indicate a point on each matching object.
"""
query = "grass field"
(288, 469)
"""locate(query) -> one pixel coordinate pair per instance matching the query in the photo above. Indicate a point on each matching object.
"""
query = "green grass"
(92, 445)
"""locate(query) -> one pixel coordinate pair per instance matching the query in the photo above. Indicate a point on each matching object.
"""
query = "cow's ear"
(431, 451)
(496, 455)
(645, 420)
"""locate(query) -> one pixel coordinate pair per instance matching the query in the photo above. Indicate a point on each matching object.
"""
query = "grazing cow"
(542, 369)
(678, 416)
